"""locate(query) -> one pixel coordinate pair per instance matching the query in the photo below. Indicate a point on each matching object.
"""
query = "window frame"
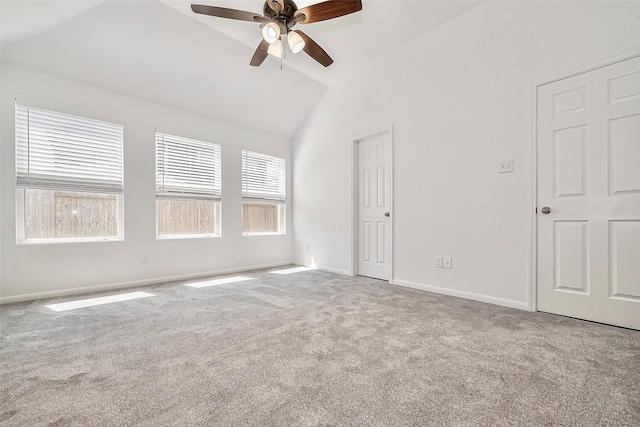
(20, 208)
(217, 201)
(283, 218)
(217, 212)
(280, 203)
(21, 238)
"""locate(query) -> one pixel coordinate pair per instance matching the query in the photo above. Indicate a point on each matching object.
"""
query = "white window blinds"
(263, 177)
(59, 151)
(186, 168)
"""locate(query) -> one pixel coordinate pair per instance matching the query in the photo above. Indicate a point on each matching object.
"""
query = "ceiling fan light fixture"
(296, 43)
(275, 49)
(271, 32)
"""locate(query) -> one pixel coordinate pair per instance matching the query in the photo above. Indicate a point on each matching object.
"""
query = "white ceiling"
(160, 51)
(354, 41)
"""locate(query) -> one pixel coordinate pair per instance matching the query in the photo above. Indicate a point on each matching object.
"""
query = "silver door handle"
(386, 214)
(546, 210)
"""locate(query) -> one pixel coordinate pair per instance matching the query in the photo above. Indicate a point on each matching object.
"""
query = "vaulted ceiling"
(160, 51)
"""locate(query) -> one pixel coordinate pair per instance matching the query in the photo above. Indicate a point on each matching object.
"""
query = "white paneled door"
(374, 206)
(589, 195)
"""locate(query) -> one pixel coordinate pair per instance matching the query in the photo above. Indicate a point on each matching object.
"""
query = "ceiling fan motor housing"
(282, 18)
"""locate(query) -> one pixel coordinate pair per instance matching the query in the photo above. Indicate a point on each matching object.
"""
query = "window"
(263, 194)
(69, 177)
(188, 187)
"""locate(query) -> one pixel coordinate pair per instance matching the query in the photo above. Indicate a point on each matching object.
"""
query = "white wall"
(461, 100)
(54, 269)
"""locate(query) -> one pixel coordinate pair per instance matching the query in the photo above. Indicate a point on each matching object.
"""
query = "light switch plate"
(506, 166)
(438, 262)
(447, 262)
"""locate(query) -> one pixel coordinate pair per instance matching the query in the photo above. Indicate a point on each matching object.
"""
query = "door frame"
(533, 216)
(353, 271)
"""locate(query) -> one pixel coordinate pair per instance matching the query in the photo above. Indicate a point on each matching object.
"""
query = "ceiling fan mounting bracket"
(287, 13)
(284, 17)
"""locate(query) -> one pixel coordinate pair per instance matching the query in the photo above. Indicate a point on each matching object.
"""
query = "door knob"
(386, 214)
(546, 210)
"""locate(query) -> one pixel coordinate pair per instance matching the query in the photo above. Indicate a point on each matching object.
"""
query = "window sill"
(55, 241)
(268, 233)
(187, 236)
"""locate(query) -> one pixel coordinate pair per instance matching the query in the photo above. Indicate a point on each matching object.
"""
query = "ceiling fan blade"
(261, 54)
(223, 12)
(327, 10)
(276, 5)
(314, 50)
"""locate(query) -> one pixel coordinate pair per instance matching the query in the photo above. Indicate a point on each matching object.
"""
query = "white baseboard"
(335, 270)
(463, 294)
(133, 283)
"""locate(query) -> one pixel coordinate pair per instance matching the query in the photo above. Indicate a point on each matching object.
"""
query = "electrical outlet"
(438, 262)
(144, 258)
(447, 262)
(506, 166)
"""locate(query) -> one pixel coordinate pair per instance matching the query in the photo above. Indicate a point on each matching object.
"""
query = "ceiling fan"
(280, 16)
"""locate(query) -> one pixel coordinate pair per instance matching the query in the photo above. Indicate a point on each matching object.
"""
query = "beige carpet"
(311, 349)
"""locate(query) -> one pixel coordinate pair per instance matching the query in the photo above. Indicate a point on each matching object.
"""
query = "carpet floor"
(311, 349)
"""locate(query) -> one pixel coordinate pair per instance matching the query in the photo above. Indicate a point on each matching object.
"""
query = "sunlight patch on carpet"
(90, 302)
(293, 270)
(215, 282)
